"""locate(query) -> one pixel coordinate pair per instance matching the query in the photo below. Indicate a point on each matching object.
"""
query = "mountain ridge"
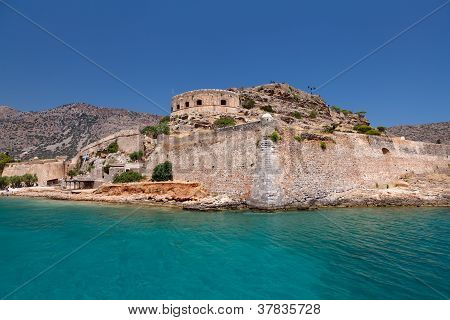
(64, 129)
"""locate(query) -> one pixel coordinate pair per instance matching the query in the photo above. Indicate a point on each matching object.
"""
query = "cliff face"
(434, 132)
(63, 130)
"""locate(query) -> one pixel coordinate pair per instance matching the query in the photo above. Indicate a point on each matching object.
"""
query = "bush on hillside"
(373, 132)
(275, 136)
(268, 108)
(136, 155)
(362, 128)
(224, 122)
(4, 159)
(381, 129)
(128, 176)
(296, 114)
(113, 147)
(323, 145)
(313, 114)
(248, 103)
(161, 128)
(163, 172)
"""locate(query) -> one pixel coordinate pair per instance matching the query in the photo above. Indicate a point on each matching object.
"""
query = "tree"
(224, 122)
(4, 159)
(4, 182)
(72, 173)
(163, 172)
(15, 181)
(29, 179)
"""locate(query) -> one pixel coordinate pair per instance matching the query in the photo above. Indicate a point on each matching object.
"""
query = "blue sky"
(163, 48)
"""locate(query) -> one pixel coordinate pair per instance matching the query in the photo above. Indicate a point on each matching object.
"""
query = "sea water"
(73, 250)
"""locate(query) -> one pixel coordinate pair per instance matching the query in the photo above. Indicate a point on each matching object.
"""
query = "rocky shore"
(409, 190)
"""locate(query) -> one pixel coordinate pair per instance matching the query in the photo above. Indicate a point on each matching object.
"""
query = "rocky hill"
(438, 132)
(62, 130)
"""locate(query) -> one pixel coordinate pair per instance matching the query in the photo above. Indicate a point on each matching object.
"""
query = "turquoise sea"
(71, 250)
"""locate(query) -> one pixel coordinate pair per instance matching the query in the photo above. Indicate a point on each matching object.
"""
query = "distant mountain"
(433, 132)
(63, 130)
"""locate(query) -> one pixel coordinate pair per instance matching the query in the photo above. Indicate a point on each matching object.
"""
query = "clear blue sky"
(166, 47)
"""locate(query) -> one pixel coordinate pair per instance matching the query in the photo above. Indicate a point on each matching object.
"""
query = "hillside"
(62, 130)
(433, 132)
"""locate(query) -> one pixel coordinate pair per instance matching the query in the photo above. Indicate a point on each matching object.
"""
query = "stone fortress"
(205, 100)
(284, 149)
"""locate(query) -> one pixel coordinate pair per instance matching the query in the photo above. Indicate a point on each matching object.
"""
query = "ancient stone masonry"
(48, 171)
(205, 100)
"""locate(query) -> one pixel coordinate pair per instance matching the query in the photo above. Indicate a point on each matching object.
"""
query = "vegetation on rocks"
(248, 103)
(113, 147)
(268, 108)
(161, 128)
(275, 136)
(362, 128)
(128, 176)
(313, 114)
(323, 145)
(163, 172)
(224, 122)
(73, 172)
(296, 114)
(136, 155)
(381, 129)
(298, 138)
(373, 132)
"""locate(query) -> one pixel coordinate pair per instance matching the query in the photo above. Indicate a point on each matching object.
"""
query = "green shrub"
(312, 114)
(29, 179)
(15, 181)
(113, 147)
(296, 114)
(268, 108)
(275, 136)
(164, 119)
(248, 103)
(362, 128)
(381, 129)
(155, 131)
(335, 108)
(224, 122)
(346, 112)
(361, 113)
(73, 172)
(163, 172)
(330, 128)
(4, 159)
(373, 132)
(128, 176)
(4, 182)
(323, 145)
(296, 97)
(298, 138)
(136, 155)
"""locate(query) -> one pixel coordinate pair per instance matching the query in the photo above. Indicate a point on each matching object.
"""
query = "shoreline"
(366, 198)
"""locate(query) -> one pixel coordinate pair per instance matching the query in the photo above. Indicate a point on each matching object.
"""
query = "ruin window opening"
(178, 107)
(223, 102)
(199, 102)
(385, 150)
(186, 104)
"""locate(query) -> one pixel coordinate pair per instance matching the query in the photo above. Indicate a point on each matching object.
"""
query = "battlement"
(205, 100)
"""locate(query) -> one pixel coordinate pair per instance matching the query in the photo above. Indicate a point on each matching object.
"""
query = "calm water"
(170, 254)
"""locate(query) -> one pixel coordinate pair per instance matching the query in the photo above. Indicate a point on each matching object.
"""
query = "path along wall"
(240, 162)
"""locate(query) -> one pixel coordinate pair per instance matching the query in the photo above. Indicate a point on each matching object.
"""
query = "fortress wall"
(223, 160)
(45, 170)
(238, 161)
(209, 109)
(128, 141)
(354, 161)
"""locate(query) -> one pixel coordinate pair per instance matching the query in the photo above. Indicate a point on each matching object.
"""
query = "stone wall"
(45, 170)
(205, 101)
(241, 162)
(127, 140)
